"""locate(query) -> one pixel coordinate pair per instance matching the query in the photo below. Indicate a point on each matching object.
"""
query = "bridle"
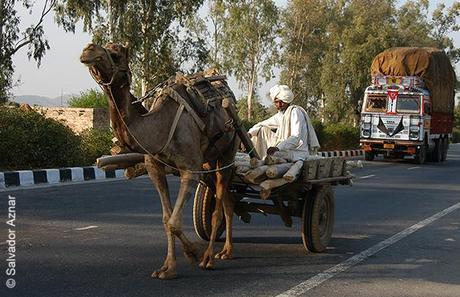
(115, 70)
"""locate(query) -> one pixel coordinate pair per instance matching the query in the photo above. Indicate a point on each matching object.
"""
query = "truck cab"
(396, 120)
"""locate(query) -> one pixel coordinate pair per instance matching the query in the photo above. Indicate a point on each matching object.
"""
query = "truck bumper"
(390, 147)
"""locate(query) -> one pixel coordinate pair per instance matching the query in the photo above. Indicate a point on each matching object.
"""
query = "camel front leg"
(158, 177)
(187, 187)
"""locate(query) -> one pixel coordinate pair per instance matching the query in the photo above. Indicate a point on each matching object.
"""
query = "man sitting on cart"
(288, 134)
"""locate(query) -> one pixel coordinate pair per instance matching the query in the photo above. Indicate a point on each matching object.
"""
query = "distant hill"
(43, 101)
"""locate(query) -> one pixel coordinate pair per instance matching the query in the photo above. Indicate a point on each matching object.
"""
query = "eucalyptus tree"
(13, 39)
(303, 34)
(151, 28)
(248, 42)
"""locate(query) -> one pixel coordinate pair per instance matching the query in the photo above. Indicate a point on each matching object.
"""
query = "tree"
(91, 98)
(151, 28)
(303, 36)
(248, 42)
(331, 44)
(12, 40)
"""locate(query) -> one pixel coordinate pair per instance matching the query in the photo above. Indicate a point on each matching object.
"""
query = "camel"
(149, 133)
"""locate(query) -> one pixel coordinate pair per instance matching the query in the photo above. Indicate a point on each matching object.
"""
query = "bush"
(336, 136)
(29, 140)
(456, 135)
(91, 98)
(95, 143)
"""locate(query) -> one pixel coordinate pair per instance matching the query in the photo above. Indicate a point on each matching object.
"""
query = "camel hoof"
(164, 275)
(224, 255)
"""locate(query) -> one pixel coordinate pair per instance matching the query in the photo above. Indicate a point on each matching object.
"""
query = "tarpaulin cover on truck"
(431, 64)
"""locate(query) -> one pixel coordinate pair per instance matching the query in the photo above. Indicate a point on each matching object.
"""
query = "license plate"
(388, 146)
(393, 80)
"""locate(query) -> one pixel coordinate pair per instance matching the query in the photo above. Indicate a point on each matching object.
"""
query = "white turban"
(281, 92)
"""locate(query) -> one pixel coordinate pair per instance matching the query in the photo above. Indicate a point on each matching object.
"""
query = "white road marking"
(86, 228)
(412, 168)
(367, 176)
(320, 278)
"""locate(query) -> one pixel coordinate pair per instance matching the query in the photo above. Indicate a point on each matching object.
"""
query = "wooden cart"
(310, 197)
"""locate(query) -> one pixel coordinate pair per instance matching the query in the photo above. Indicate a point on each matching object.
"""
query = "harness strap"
(178, 98)
(173, 127)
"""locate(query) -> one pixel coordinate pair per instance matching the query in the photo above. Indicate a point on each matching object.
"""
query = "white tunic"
(294, 133)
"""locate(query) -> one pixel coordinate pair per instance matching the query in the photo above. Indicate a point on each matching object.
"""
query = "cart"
(310, 197)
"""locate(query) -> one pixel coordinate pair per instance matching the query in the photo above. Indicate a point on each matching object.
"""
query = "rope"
(101, 84)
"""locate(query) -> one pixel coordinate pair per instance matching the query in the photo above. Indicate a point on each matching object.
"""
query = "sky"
(61, 72)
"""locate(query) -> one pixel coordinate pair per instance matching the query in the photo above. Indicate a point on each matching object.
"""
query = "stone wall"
(78, 119)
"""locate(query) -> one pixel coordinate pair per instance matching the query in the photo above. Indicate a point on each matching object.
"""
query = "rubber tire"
(203, 207)
(318, 218)
(369, 156)
(436, 155)
(445, 148)
(420, 157)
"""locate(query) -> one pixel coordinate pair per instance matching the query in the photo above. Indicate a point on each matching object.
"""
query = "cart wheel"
(318, 219)
(203, 207)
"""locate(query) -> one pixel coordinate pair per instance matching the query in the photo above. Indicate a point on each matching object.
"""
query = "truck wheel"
(369, 156)
(318, 219)
(445, 147)
(436, 155)
(203, 207)
(420, 157)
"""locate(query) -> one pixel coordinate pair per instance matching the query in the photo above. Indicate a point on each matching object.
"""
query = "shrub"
(29, 140)
(91, 98)
(456, 135)
(336, 136)
(95, 143)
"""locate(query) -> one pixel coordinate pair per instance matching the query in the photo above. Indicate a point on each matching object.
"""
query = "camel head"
(109, 64)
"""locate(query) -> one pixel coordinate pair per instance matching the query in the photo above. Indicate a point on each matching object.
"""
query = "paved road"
(104, 239)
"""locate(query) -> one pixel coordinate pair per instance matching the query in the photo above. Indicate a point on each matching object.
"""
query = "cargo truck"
(407, 110)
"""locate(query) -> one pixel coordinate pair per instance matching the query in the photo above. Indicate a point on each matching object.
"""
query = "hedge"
(29, 140)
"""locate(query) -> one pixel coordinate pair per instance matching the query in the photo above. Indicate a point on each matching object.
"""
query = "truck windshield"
(410, 104)
(376, 102)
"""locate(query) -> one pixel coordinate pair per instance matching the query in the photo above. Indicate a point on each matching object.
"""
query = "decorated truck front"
(408, 108)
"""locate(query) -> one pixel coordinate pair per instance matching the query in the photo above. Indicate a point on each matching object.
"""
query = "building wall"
(78, 119)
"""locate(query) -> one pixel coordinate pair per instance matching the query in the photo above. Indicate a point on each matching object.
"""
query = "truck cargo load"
(430, 64)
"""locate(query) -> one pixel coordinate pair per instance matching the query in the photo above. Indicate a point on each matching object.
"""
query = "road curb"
(347, 153)
(81, 174)
(55, 176)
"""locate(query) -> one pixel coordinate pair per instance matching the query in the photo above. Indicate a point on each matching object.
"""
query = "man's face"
(280, 105)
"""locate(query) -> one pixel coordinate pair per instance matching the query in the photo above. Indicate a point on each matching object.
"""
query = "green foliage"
(12, 39)
(329, 46)
(91, 98)
(456, 131)
(95, 143)
(247, 41)
(260, 112)
(29, 140)
(336, 136)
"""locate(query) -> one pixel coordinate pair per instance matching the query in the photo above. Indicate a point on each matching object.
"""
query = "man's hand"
(272, 150)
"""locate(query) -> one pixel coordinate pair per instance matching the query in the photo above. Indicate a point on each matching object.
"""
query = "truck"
(408, 110)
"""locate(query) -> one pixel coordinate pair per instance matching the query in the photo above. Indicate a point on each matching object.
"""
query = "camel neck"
(129, 124)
